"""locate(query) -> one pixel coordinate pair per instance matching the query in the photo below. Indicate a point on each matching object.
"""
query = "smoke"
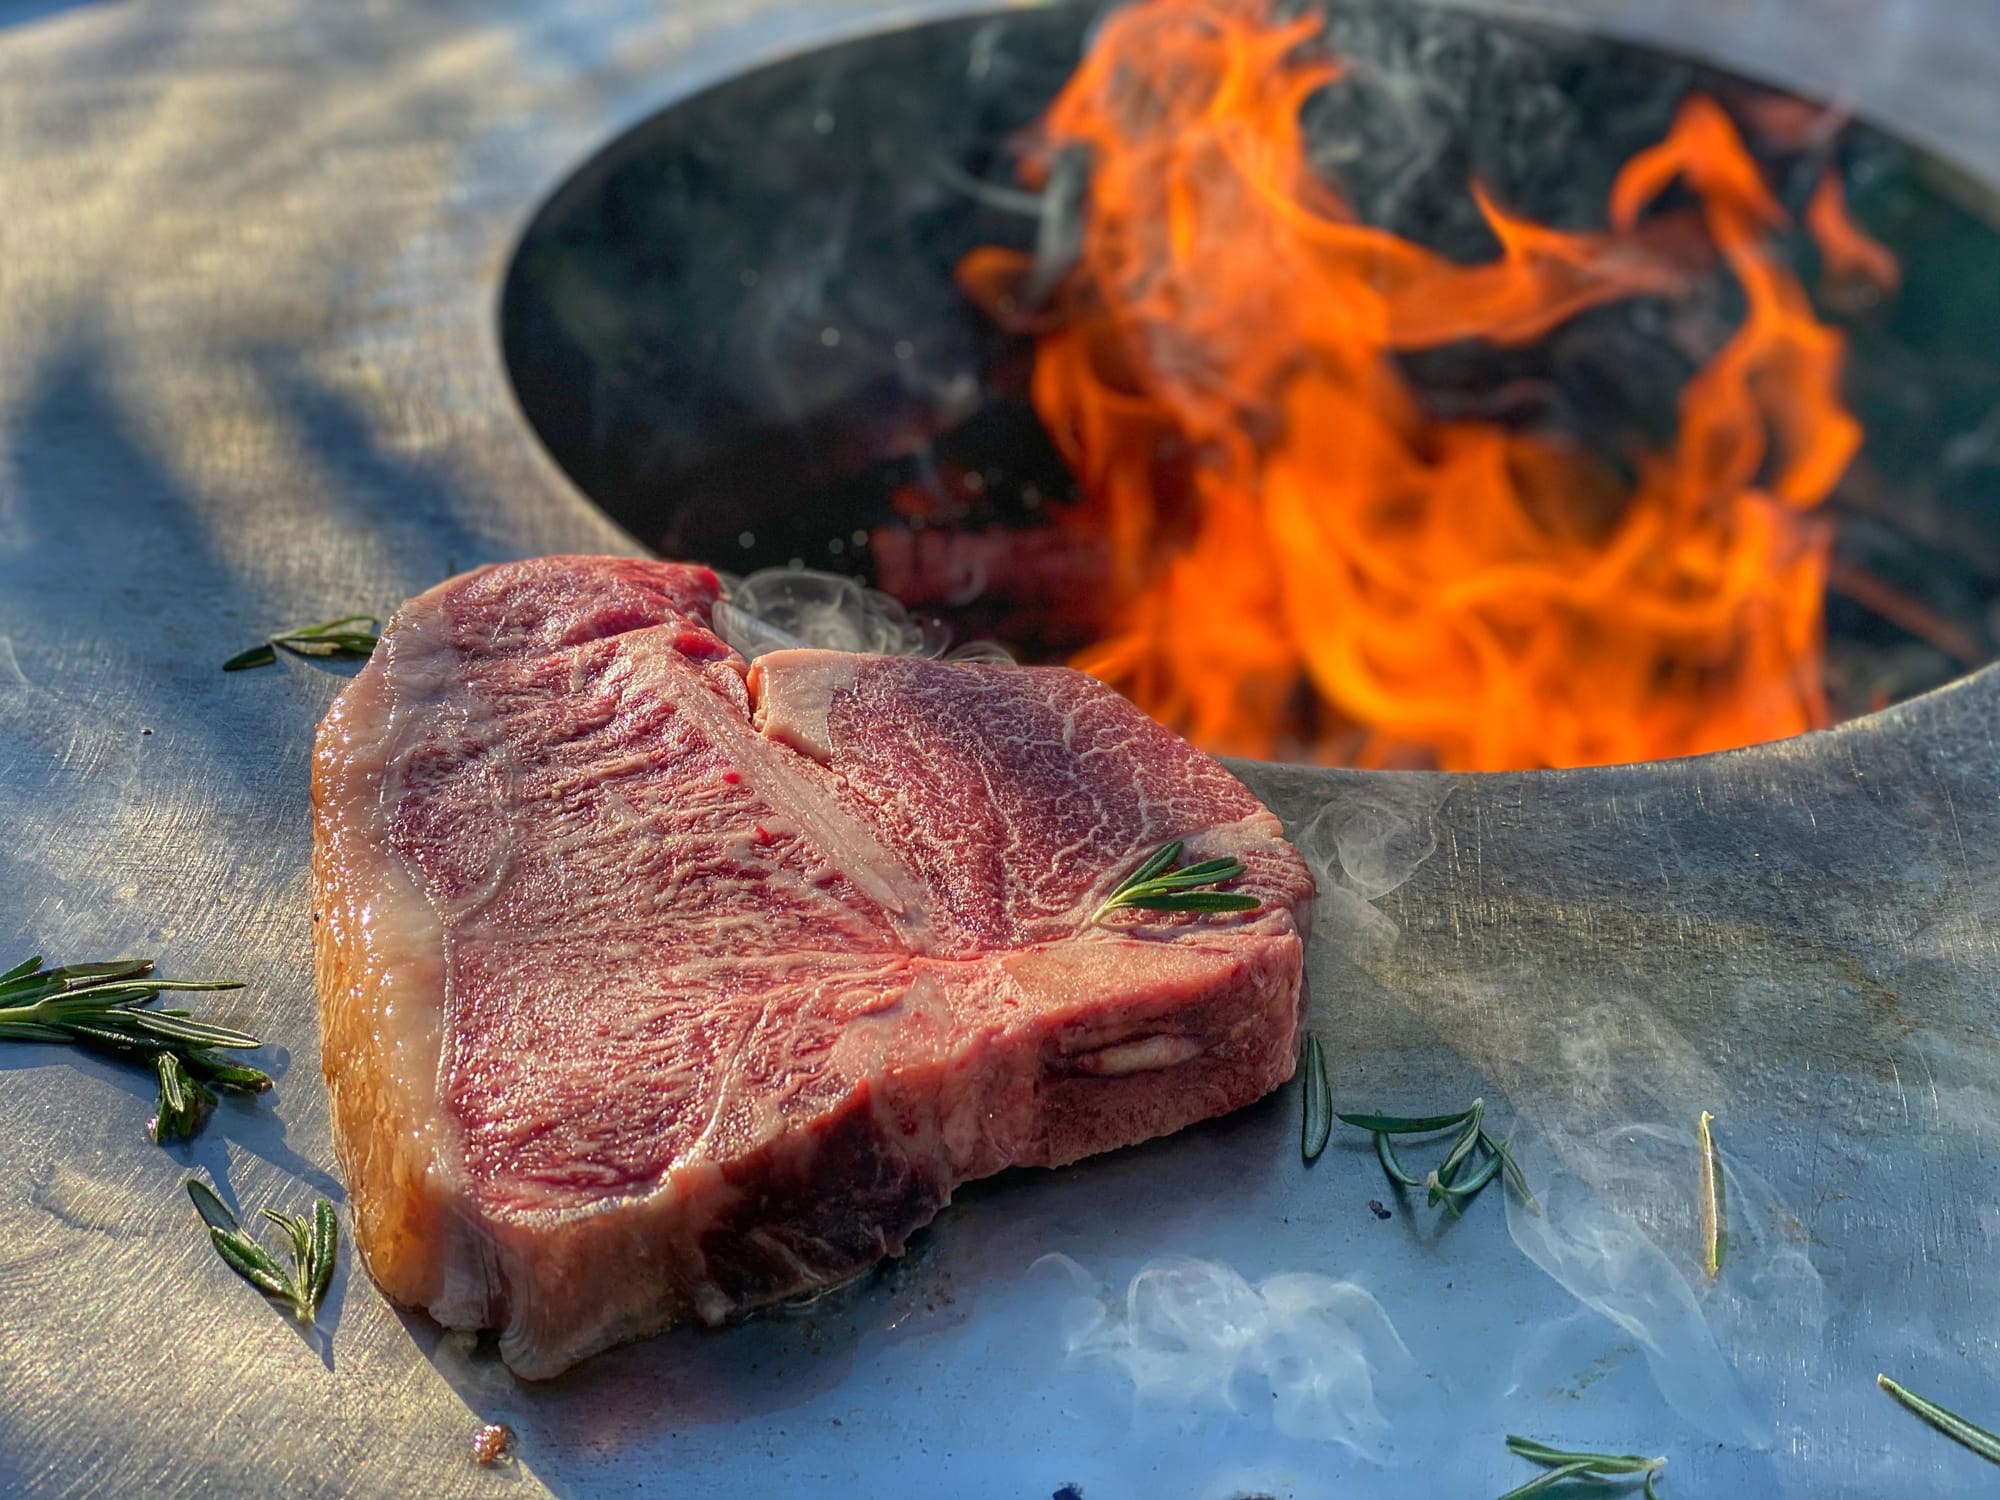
(1363, 845)
(1607, 1095)
(1319, 1354)
(1619, 1228)
(1609, 1264)
(780, 608)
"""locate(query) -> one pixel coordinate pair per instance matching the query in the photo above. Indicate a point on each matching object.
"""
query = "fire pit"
(1384, 386)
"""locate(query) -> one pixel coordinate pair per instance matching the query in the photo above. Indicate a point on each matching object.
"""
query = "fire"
(1305, 562)
(1851, 253)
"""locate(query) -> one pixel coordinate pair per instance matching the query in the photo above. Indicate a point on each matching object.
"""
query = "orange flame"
(1305, 562)
(1851, 253)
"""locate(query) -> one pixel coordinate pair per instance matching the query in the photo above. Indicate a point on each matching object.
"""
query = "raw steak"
(655, 986)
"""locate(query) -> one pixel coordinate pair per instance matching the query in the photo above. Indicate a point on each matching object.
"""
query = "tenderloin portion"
(656, 987)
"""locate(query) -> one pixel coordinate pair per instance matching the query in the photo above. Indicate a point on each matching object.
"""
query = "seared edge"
(379, 963)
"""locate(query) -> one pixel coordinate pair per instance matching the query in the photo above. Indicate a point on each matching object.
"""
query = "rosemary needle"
(1385, 1152)
(1953, 1426)
(1157, 884)
(184, 1103)
(1516, 1178)
(1543, 1483)
(1604, 1463)
(314, 1242)
(1400, 1125)
(1564, 1464)
(1714, 1231)
(351, 636)
(1318, 1124)
(1444, 1179)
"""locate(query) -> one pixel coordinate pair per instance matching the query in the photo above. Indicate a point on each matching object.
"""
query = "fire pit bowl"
(744, 330)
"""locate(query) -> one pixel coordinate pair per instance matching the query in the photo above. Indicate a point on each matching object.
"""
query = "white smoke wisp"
(782, 608)
(1613, 1268)
(1364, 844)
(1319, 1354)
(1619, 1229)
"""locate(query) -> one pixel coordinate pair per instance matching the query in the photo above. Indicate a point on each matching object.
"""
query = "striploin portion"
(654, 986)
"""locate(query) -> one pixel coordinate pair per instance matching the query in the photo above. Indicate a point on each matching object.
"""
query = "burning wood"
(1304, 559)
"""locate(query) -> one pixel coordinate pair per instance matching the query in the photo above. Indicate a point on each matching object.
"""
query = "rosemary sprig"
(1318, 1126)
(1714, 1230)
(1563, 1465)
(1952, 1425)
(1474, 1159)
(351, 636)
(1157, 885)
(314, 1243)
(99, 1006)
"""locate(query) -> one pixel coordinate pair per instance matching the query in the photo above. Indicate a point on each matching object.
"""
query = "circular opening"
(797, 321)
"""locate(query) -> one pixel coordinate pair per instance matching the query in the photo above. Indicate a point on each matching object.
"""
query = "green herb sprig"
(1474, 1159)
(1953, 1426)
(100, 1006)
(1158, 885)
(1563, 1465)
(314, 1242)
(351, 636)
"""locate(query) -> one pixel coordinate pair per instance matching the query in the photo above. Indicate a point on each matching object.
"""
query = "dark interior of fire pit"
(737, 329)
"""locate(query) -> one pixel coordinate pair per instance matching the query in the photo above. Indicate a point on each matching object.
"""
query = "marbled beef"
(655, 985)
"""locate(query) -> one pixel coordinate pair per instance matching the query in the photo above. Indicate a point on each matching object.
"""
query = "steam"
(1607, 1263)
(1318, 1354)
(1608, 1095)
(782, 608)
(1363, 845)
(1618, 1230)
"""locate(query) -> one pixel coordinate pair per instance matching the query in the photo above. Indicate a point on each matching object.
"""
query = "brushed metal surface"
(248, 257)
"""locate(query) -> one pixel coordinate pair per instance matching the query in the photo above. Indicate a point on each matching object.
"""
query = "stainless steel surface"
(248, 257)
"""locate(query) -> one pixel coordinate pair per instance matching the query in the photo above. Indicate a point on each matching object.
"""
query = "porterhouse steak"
(655, 985)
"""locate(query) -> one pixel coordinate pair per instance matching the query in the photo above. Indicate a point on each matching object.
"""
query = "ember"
(1306, 562)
